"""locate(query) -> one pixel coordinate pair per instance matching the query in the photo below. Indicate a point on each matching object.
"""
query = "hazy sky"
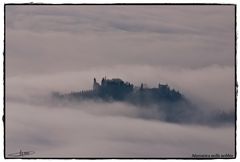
(62, 48)
(73, 38)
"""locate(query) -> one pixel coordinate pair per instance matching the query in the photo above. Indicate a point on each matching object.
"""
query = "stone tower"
(95, 84)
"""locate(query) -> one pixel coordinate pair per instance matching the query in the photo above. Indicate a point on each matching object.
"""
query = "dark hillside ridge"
(167, 104)
(118, 90)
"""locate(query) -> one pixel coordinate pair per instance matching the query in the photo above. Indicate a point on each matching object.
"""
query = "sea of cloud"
(107, 130)
(62, 48)
(34, 121)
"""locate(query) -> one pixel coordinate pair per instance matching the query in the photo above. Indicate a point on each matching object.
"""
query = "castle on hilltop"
(112, 88)
(164, 103)
(117, 90)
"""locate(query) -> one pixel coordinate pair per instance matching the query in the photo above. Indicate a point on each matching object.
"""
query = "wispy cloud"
(68, 132)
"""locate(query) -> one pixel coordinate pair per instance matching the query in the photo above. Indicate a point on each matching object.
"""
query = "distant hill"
(169, 103)
(118, 90)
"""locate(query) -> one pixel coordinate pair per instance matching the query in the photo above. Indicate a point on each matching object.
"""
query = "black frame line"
(114, 4)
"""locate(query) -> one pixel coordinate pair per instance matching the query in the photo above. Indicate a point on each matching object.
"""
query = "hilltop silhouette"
(168, 104)
(118, 90)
